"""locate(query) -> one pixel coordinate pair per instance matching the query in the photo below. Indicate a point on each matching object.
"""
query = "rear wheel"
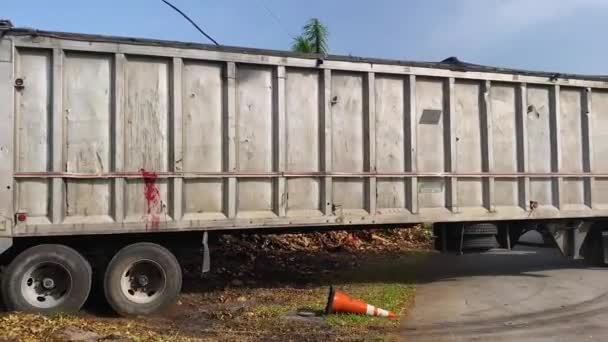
(141, 279)
(479, 242)
(480, 236)
(481, 229)
(47, 279)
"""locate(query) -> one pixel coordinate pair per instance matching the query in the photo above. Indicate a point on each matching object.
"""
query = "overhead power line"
(276, 18)
(191, 21)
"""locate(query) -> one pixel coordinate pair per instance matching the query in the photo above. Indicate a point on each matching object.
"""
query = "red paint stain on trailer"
(152, 196)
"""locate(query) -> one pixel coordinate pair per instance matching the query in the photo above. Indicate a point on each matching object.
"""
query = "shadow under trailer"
(117, 153)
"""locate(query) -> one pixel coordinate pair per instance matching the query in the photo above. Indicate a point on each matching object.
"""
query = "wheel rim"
(143, 281)
(46, 285)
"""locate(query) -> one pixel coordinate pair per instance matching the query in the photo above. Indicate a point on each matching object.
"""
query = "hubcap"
(46, 285)
(143, 282)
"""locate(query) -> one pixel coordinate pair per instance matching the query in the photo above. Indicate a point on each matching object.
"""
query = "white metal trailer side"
(106, 135)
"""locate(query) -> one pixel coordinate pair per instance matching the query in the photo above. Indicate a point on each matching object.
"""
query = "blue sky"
(551, 35)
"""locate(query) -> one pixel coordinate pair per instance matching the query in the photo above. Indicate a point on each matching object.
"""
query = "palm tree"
(313, 38)
(300, 44)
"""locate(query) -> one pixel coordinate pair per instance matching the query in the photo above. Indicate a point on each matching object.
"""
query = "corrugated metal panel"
(599, 141)
(7, 130)
(303, 130)
(391, 140)
(33, 150)
(146, 138)
(505, 133)
(203, 95)
(255, 140)
(87, 107)
(348, 141)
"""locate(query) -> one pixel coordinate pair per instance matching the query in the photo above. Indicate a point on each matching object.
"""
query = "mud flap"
(569, 238)
(5, 244)
(206, 255)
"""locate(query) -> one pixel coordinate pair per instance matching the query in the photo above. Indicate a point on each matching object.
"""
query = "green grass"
(395, 297)
(386, 284)
(392, 297)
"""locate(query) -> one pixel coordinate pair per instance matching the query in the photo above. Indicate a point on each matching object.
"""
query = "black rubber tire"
(130, 255)
(479, 242)
(71, 261)
(481, 229)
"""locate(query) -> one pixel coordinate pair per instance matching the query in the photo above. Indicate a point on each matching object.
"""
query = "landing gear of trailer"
(576, 239)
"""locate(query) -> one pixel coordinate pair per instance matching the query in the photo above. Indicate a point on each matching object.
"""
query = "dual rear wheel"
(47, 279)
(141, 279)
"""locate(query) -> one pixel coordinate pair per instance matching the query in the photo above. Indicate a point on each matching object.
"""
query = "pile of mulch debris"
(271, 259)
(381, 240)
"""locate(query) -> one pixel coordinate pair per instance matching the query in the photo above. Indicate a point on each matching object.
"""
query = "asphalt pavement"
(527, 294)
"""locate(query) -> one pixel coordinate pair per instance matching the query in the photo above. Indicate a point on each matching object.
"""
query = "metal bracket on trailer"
(461, 239)
(508, 235)
(444, 238)
(570, 238)
(206, 255)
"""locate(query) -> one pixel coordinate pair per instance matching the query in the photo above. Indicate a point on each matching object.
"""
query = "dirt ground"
(256, 288)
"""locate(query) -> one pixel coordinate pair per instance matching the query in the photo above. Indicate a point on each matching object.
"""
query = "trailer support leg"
(444, 238)
(578, 237)
(461, 239)
(206, 255)
(605, 246)
(508, 232)
(569, 237)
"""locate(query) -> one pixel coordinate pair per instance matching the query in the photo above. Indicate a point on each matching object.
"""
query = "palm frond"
(301, 44)
(316, 34)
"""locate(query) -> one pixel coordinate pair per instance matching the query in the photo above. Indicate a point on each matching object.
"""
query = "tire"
(481, 229)
(47, 279)
(141, 279)
(479, 242)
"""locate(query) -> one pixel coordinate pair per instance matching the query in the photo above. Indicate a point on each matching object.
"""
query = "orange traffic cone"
(340, 302)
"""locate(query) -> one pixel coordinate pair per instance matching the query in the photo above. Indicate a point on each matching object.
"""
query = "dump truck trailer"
(129, 149)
